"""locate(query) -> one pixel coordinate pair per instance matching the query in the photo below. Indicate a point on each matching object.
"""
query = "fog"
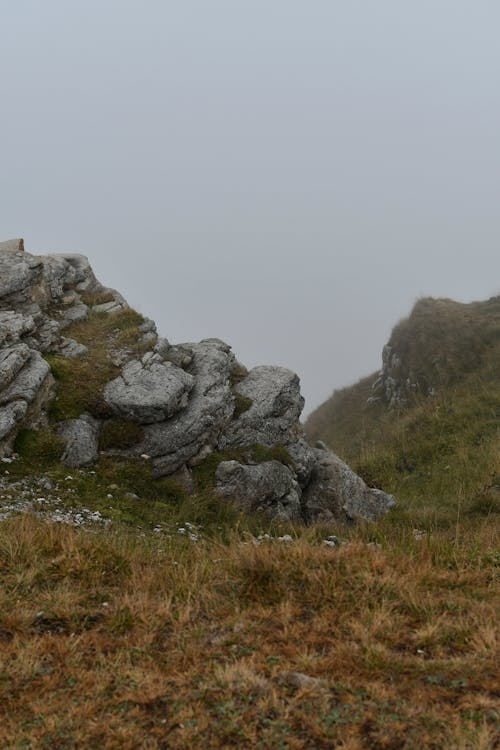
(288, 176)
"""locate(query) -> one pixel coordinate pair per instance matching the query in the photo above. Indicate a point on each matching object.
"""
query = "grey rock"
(150, 392)
(148, 339)
(14, 325)
(184, 396)
(80, 272)
(267, 487)
(71, 349)
(16, 273)
(12, 360)
(10, 416)
(149, 326)
(301, 453)
(192, 434)
(108, 307)
(29, 380)
(275, 409)
(74, 314)
(179, 355)
(335, 492)
(81, 441)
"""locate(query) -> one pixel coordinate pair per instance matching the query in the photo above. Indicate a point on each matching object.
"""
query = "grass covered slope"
(439, 455)
(123, 641)
(140, 634)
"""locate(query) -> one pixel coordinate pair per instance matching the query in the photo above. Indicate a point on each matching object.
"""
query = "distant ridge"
(428, 421)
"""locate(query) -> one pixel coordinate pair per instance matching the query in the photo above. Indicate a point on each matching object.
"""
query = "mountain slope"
(427, 426)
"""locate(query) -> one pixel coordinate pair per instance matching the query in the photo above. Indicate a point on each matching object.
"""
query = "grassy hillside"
(439, 455)
(169, 621)
(122, 641)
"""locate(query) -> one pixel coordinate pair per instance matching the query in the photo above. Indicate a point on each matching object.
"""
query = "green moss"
(238, 373)
(204, 473)
(38, 450)
(81, 381)
(261, 453)
(120, 434)
(241, 404)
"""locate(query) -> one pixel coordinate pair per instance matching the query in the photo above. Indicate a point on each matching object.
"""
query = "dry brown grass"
(118, 641)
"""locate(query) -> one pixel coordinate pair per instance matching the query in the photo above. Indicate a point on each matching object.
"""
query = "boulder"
(193, 433)
(274, 404)
(189, 399)
(12, 360)
(71, 349)
(335, 492)
(149, 392)
(268, 487)
(81, 437)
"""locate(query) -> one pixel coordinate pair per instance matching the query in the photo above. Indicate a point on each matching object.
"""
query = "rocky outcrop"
(80, 437)
(268, 487)
(182, 402)
(149, 391)
(335, 491)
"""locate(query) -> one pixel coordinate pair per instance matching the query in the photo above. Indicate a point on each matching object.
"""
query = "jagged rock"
(108, 307)
(10, 416)
(275, 404)
(189, 399)
(192, 434)
(14, 325)
(149, 392)
(25, 396)
(267, 487)
(12, 359)
(16, 273)
(28, 382)
(81, 438)
(71, 349)
(336, 492)
(74, 314)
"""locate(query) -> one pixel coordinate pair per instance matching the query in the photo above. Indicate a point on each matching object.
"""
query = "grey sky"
(286, 175)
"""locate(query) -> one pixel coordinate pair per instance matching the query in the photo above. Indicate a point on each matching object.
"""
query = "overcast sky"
(287, 175)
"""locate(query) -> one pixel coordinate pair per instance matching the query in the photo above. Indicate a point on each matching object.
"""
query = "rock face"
(269, 486)
(186, 401)
(335, 491)
(149, 391)
(81, 441)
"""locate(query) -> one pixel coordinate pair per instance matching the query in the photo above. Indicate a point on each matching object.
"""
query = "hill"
(87, 384)
(180, 568)
(427, 426)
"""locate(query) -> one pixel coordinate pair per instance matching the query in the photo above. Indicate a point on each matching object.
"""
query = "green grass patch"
(119, 434)
(241, 404)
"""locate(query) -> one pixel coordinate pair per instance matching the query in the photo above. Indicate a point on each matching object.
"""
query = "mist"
(287, 176)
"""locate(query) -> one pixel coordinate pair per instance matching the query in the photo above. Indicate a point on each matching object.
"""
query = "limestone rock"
(267, 487)
(149, 392)
(275, 406)
(28, 381)
(10, 416)
(12, 359)
(193, 433)
(183, 396)
(14, 325)
(71, 349)
(81, 441)
(335, 492)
